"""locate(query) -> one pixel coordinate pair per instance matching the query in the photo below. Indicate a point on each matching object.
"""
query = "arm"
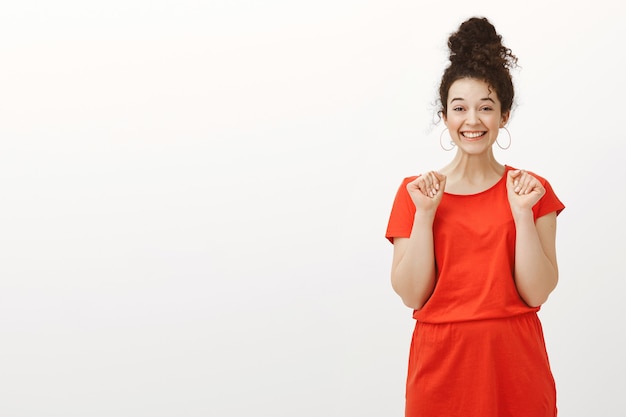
(413, 266)
(536, 269)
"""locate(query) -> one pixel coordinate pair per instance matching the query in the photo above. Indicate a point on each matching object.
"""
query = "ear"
(505, 119)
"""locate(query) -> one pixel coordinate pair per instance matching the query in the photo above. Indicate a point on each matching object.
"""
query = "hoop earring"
(441, 141)
(504, 148)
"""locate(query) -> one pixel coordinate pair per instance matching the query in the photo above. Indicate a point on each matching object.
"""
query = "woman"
(474, 253)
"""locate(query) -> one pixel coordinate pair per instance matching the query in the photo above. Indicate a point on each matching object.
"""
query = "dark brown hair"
(476, 51)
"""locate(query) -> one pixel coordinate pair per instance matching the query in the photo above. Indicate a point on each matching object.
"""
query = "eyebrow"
(482, 99)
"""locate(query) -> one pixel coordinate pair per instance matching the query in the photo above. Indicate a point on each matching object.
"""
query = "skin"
(474, 118)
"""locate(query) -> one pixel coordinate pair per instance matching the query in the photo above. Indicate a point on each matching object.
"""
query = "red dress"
(478, 349)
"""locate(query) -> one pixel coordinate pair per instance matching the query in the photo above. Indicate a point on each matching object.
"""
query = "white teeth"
(472, 134)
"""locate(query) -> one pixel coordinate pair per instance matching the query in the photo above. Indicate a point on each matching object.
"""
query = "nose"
(472, 118)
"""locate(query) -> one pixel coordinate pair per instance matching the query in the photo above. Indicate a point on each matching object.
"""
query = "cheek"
(452, 123)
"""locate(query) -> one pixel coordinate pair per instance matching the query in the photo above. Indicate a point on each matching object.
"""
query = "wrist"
(424, 217)
(523, 214)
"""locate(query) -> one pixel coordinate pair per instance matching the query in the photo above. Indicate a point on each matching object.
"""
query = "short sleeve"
(402, 213)
(549, 202)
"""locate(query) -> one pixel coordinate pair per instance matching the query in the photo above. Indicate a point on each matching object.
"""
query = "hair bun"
(477, 44)
(477, 52)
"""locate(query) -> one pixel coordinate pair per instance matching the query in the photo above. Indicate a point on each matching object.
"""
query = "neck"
(473, 167)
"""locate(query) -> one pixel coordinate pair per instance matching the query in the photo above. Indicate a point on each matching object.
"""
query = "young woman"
(474, 253)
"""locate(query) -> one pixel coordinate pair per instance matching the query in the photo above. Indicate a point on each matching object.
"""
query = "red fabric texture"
(478, 348)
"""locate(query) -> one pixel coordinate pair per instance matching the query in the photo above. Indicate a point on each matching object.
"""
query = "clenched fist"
(426, 190)
(523, 190)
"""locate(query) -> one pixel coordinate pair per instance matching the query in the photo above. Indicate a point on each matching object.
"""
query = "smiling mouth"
(473, 135)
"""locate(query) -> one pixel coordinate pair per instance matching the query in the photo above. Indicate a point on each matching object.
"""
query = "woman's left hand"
(523, 190)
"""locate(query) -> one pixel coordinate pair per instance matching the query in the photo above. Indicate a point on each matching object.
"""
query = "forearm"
(413, 275)
(535, 275)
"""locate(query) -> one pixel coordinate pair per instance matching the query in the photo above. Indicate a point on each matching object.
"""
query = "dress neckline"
(501, 180)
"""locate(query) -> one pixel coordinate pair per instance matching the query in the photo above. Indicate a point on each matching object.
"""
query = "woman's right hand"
(426, 190)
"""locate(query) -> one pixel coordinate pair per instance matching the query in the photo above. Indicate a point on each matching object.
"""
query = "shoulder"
(411, 178)
(408, 179)
(405, 181)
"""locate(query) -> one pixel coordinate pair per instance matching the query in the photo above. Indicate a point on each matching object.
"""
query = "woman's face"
(473, 115)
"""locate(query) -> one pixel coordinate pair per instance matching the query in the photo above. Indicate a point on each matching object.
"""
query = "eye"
(486, 108)
(458, 108)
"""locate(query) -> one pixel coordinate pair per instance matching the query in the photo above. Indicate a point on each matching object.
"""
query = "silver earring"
(504, 148)
(441, 142)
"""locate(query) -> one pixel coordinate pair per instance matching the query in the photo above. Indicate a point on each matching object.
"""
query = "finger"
(512, 179)
(514, 174)
(441, 180)
(425, 185)
(414, 185)
(519, 182)
(532, 184)
(525, 186)
(528, 184)
(433, 184)
(418, 184)
(436, 182)
(424, 188)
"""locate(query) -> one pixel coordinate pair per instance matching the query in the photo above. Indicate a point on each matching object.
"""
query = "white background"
(194, 196)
